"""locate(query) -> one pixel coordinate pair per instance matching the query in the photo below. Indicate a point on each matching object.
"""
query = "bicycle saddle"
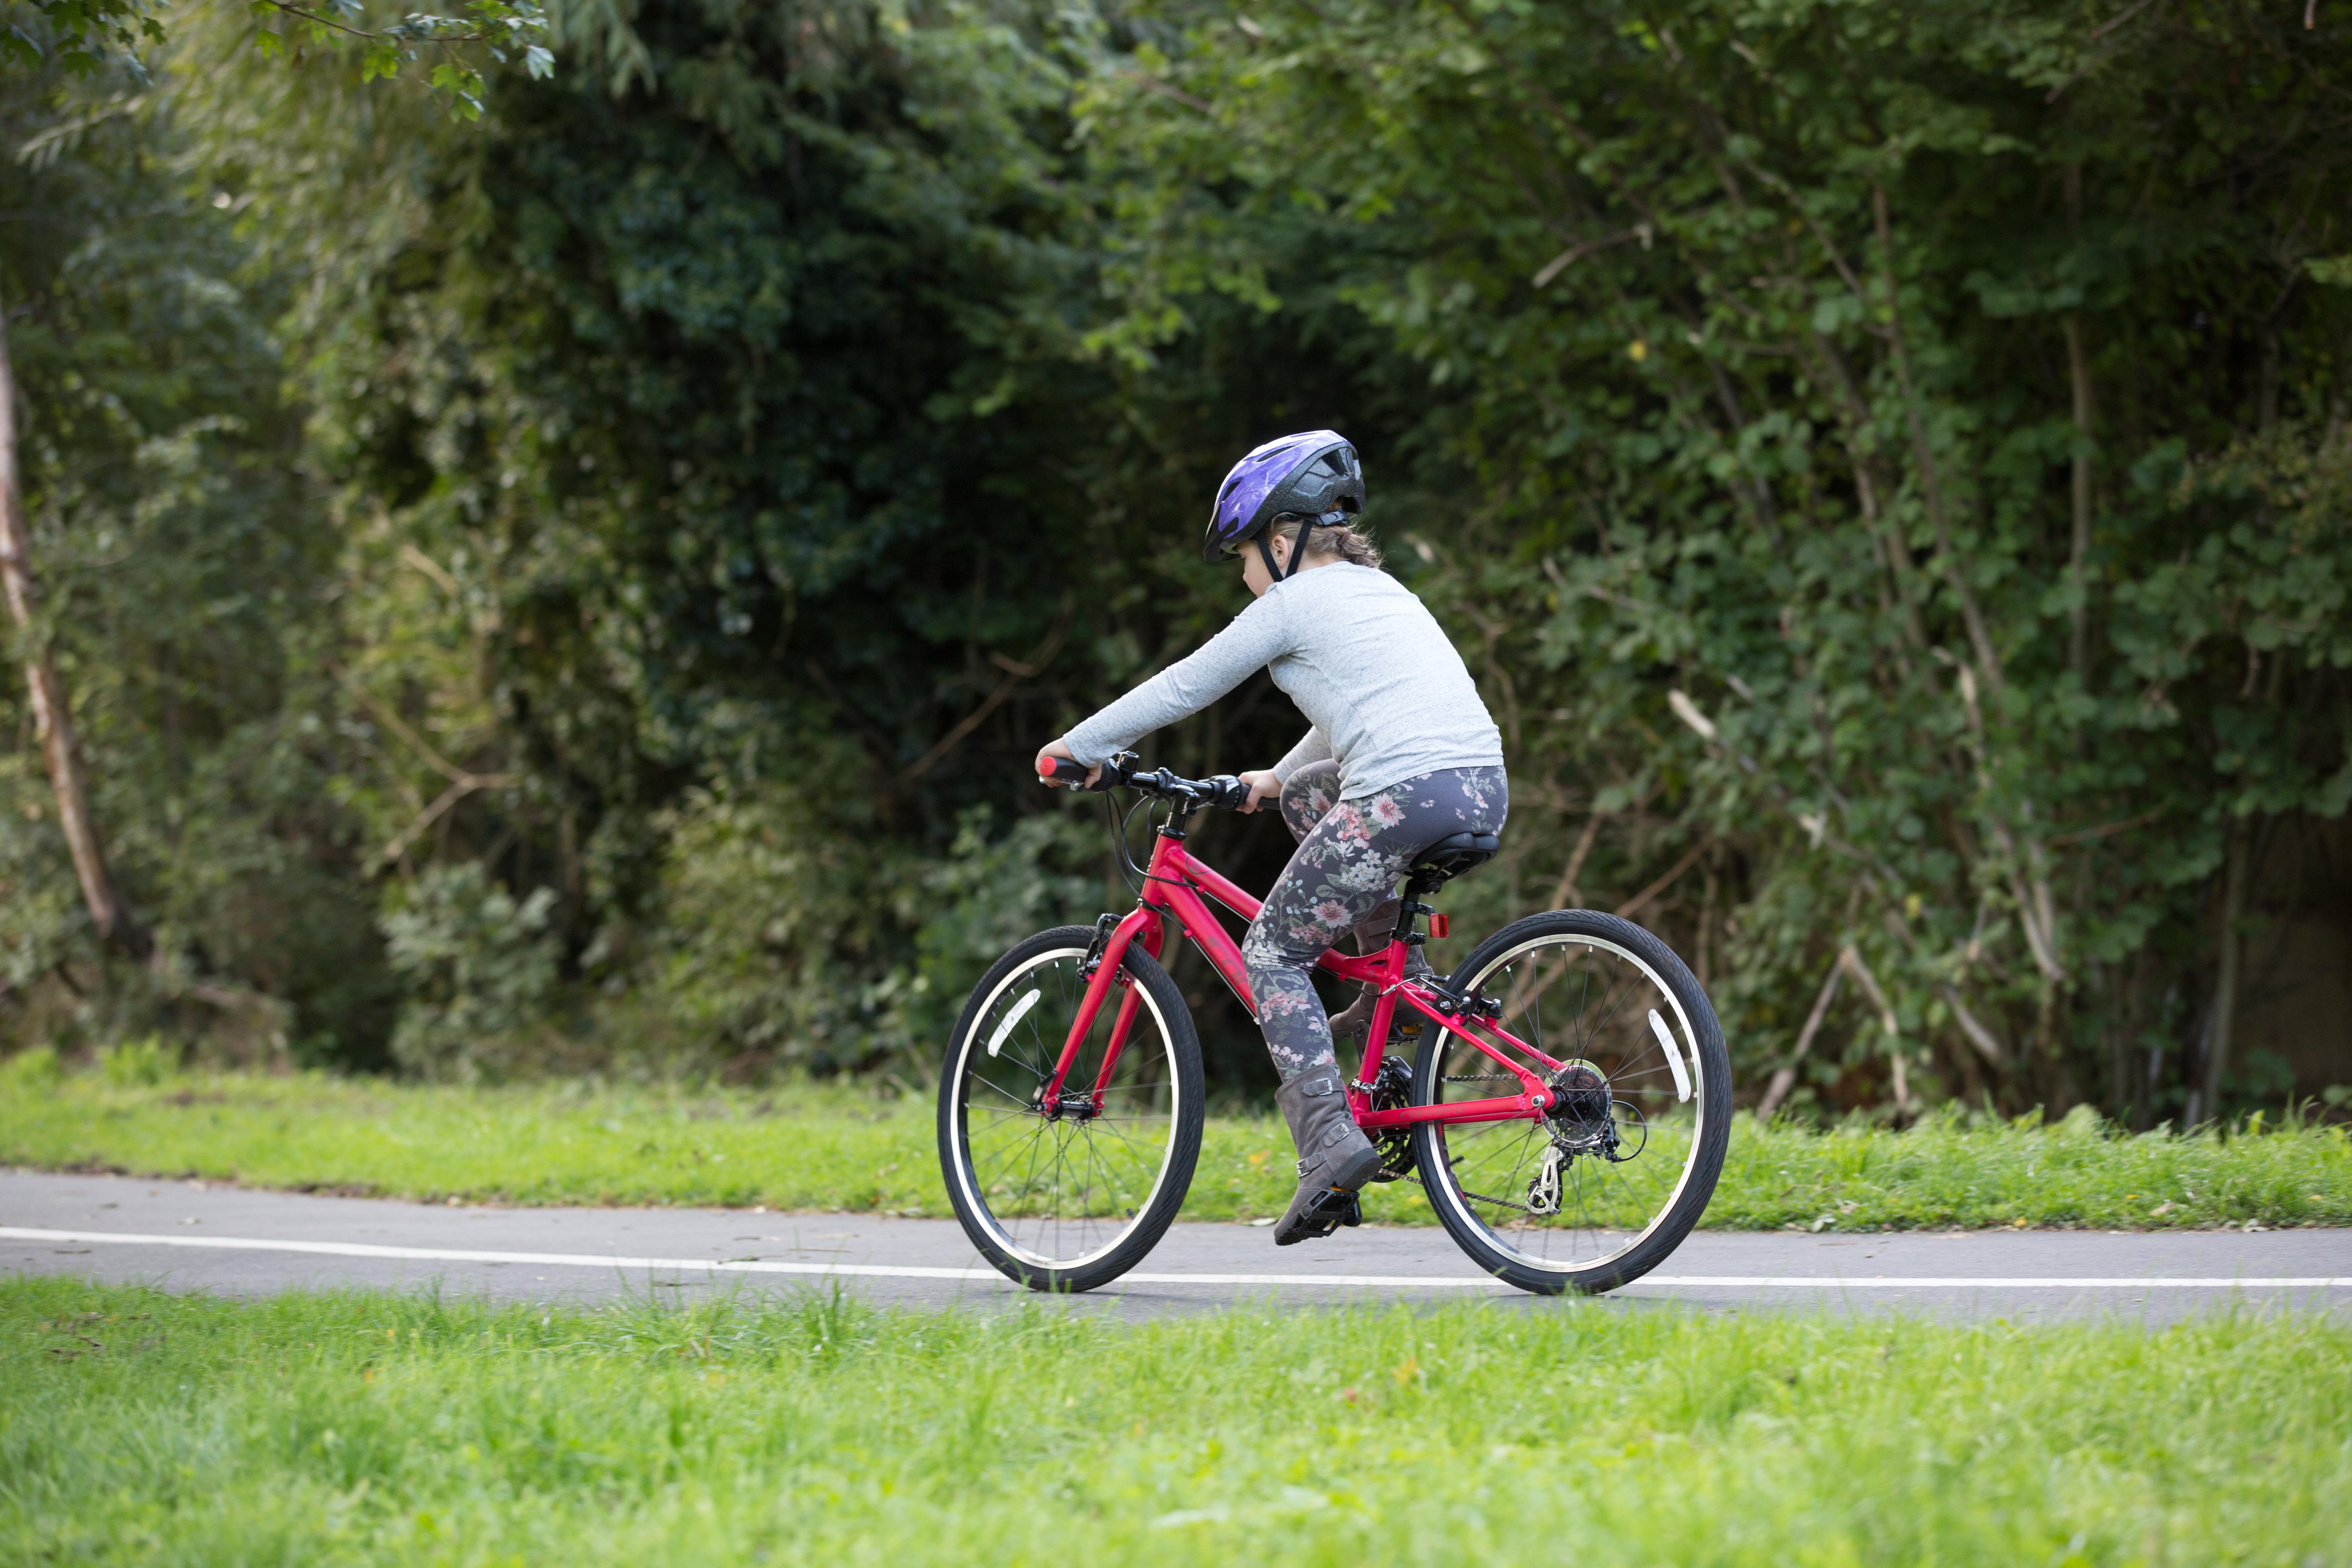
(1455, 853)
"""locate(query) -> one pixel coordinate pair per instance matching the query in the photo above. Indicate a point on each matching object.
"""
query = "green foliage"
(480, 964)
(138, 1064)
(862, 949)
(692, 516)
(187, 580)
(31, 1071)
(1745, 334)
(1888, 472)
(411, 1428)
(80, 33)
(86, 38)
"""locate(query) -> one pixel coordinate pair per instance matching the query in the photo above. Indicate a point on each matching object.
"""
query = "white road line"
(2006, 1282)
(1430, 1281)
(473, 1255)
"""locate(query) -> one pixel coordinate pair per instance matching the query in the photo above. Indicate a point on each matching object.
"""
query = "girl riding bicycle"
(1400, 752)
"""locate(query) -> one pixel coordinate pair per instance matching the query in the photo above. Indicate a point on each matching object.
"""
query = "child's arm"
(1254, 639)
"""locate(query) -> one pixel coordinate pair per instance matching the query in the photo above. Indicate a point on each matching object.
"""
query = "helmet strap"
(1298, 548)
(1265, 554)
(1299, 545)
(1275, 569)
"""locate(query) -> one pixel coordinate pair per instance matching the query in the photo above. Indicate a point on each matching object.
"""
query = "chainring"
(1392, 1090)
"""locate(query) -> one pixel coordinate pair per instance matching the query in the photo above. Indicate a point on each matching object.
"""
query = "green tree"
(704, 418)
(87, 37)
(1906, 452)
(53, 40)
(165, 500)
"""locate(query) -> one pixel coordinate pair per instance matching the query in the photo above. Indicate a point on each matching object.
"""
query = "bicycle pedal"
(1335, 1209)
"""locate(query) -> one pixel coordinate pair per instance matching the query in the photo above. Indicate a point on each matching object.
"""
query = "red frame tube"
(1176, 886)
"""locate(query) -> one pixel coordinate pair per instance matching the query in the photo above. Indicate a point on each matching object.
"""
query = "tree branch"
(391, 721)
(1017, 670)
(459, 788)
(316, 20)
(1566, 894)
(1786, 1078)
(1641, 901)
(52, 708)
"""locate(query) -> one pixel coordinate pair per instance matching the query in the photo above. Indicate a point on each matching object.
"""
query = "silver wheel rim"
(1642, 1072)
(1108, 1171)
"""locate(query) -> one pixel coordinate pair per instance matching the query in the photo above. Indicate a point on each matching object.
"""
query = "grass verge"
(138, 1426)
(833, 1148)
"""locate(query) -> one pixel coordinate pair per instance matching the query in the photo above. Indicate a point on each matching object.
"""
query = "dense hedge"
(1888, 469)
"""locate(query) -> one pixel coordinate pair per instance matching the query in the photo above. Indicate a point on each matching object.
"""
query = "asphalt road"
(197, 1236)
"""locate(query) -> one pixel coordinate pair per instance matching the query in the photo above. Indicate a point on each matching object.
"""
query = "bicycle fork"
(1106, 968)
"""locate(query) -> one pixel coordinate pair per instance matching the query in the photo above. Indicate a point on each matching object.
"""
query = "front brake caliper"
(1104, 926)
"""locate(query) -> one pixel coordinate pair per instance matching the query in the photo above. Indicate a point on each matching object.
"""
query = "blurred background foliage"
(581, 589)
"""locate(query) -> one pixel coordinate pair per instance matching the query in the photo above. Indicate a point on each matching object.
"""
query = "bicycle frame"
(1178, 887)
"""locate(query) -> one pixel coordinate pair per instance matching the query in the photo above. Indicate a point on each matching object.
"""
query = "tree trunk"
(2079, 372)
(2078, 630)
(52, 714)
(2237, 872)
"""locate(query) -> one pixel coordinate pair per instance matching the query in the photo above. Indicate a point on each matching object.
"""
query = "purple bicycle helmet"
(1313, 476)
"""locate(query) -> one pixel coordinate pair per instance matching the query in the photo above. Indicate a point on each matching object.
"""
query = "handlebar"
(1125, 771)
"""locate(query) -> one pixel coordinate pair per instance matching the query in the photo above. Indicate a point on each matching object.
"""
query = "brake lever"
(1117, 771)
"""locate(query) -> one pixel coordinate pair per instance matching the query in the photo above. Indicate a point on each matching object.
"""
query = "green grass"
(818, 1147)
(138, 1426)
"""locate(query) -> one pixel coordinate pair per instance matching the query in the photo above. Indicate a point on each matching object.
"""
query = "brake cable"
(1130, 872)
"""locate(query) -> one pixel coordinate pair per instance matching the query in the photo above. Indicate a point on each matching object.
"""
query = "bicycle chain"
(1482, 1198)
(1501, 1203)
(1505, 1202)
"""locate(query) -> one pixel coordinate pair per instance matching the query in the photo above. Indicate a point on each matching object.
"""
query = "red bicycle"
(1566, 1111)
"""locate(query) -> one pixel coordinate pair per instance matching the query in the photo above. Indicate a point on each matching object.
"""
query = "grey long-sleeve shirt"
(1382, 689)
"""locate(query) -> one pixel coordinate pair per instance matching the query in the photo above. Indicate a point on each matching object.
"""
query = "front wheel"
(1597, 1192)
(1071, 1195)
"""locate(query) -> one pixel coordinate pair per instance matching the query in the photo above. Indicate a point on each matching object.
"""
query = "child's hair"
(1344, 542)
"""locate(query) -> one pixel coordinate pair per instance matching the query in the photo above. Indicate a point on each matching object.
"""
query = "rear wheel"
(1599, 1191)
(1071, 1196)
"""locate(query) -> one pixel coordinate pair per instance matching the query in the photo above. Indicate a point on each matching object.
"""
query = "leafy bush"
(138, 1064)
(1888, 470)
(480, 963)
(790, 944)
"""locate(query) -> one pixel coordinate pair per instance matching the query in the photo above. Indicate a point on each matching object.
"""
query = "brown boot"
(1335, 1158)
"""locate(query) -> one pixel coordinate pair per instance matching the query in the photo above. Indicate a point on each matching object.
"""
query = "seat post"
(1437, 865)
(1418, 886)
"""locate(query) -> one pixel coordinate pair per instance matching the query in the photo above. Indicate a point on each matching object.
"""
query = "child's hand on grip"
(1057, 769)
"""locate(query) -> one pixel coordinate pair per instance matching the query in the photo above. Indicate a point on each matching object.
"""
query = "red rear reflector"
(1439, 925)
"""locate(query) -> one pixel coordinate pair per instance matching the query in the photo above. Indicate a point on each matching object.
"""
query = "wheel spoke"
(1599, 995)
(1056, 1189)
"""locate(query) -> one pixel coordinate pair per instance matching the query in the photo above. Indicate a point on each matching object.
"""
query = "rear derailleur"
(1585, 1118)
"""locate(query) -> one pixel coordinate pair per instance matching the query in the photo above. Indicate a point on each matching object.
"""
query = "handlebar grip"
(1061, 768)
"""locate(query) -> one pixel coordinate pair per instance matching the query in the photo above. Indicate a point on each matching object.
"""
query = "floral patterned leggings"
(1343, 875)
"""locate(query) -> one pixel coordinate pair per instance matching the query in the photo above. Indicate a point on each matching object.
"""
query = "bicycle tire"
(1709, 1140)
(968, 1189)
